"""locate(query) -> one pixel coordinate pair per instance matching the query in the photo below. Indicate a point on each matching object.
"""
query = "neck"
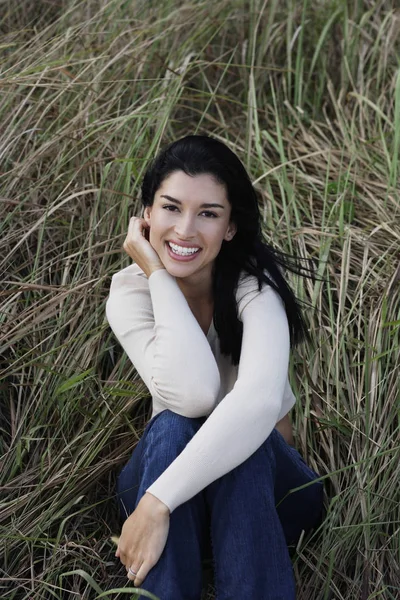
(196, 289)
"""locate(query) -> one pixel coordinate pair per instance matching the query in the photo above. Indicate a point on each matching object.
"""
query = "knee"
(270, 447)
(172, 431)
(168, 418)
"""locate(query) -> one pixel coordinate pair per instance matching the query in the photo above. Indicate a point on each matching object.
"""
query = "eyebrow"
(214, 205)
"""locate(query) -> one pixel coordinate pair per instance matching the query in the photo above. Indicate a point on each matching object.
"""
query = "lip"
(182, 258)
(183, 244)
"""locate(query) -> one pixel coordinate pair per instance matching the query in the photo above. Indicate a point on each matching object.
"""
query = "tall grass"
(308, 95)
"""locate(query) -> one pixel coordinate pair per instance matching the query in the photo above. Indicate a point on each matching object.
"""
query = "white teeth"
(181, 250)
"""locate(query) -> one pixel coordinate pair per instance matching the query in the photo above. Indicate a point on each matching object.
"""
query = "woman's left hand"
(143, 537)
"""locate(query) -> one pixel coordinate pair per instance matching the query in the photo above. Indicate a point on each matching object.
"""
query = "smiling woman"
(207, 318)
(187, 237)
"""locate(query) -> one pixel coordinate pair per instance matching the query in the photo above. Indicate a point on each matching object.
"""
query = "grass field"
(308, 95)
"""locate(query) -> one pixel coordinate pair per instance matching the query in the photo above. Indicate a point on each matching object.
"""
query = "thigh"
(129, 480)
(163, 439)
(302, 509)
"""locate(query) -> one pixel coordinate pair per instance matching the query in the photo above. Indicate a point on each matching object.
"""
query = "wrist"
(155, 504)
(153, 269)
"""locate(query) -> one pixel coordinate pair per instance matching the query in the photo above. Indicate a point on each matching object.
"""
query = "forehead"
(199, 188)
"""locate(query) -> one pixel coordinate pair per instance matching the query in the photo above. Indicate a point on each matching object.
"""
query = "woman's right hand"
(139, 248)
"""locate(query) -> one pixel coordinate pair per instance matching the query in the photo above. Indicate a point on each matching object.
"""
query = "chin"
(179, 271)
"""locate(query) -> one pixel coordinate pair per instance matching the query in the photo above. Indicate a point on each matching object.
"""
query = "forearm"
(154, 324)
(229, 436)
(246, 416)
(182, 354)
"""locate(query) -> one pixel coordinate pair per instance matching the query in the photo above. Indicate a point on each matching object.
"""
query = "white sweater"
(186, 373)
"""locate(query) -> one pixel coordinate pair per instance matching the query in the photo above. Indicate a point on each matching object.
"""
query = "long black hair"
(246, 252)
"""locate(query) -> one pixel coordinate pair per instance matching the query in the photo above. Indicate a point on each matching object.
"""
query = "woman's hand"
(139, 248)
(143, 537)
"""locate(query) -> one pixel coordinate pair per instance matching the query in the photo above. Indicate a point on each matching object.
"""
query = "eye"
(208, 213)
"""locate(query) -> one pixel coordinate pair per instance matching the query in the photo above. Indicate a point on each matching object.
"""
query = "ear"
(147, 214)
(230, 232)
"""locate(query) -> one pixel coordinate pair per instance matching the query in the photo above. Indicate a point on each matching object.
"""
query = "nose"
(185, 228)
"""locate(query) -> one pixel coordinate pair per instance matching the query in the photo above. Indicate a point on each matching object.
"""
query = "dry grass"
(309, 96)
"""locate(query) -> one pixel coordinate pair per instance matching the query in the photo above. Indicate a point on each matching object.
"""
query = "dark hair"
(200, 154)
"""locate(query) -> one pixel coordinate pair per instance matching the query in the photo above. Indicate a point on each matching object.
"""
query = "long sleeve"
(245, 417)
(154, 324)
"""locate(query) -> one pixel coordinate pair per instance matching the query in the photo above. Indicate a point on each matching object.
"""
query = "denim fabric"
(249, 533)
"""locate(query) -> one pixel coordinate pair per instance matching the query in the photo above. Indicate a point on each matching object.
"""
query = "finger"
(123, 558)
(141, 575)
(136, 228)
(132, 572)
(131, 227)
(136, 223)
(132, 236)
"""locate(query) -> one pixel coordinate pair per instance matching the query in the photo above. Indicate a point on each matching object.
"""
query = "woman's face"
(192, 214)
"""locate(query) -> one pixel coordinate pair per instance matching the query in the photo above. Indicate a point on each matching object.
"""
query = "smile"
(181, 250)
(182, 253)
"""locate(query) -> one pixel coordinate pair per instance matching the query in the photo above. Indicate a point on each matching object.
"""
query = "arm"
(155, 326)
(246, 416)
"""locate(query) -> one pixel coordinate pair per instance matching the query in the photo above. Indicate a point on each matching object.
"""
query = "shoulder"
(249, 294)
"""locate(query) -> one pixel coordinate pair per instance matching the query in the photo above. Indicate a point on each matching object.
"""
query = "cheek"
(154, 237)
(220, 233)
(159, 221)
(158, 230)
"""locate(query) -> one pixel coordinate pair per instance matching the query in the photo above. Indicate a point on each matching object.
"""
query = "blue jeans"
(249, 534)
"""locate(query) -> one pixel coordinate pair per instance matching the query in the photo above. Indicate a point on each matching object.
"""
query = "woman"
(207, 319)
